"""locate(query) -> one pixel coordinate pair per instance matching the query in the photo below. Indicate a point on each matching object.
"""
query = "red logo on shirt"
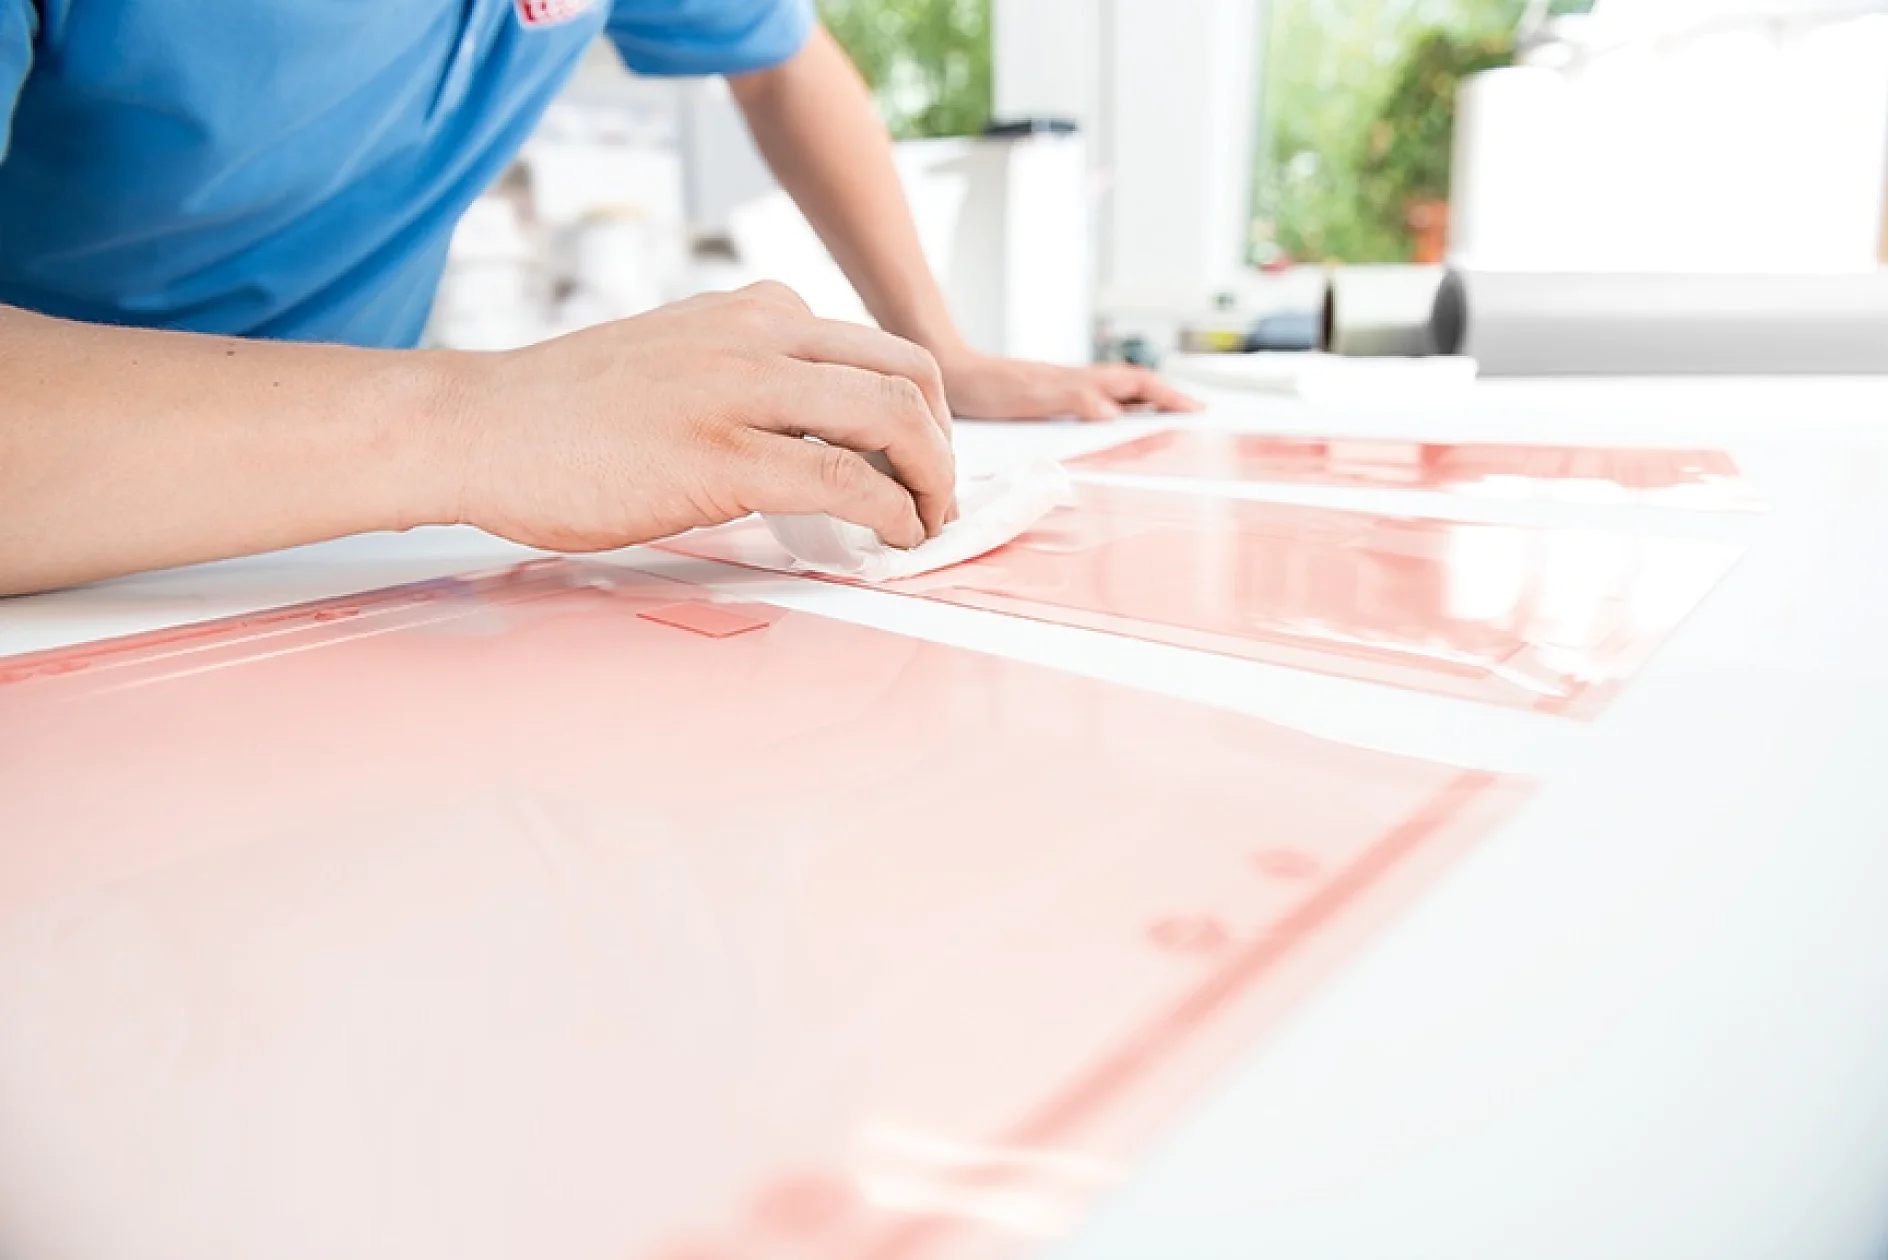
(549, 12)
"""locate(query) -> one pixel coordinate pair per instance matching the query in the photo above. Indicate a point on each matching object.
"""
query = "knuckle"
(750, 317)
(929, 374)
(723, 434)
(841, 473)
(904, 397)
(773, 292)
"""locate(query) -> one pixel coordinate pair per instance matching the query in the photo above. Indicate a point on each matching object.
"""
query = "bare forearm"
(814, 123)
(123, 450)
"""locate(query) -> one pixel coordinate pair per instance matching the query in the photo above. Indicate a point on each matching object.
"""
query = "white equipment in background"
(493, 294)
(1681, 136)
(1167, 92)
(586, 226)
(1143, 211)
(1005, 223)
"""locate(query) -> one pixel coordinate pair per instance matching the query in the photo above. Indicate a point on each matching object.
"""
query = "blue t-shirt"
(294, 168)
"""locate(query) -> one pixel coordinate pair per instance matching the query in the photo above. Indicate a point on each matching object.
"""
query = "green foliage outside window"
(927, 61)
(1406, 151)
(1358, 117)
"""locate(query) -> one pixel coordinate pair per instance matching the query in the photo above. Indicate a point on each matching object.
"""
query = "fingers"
(1034, 391)
(855, 345)
(870, 405)
(864, 411)
(1090, 403)
(1104, 392)
(1071, 394)
(788, 474)
(1127, 383)
(802, 336)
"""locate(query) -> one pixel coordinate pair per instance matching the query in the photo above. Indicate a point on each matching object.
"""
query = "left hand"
(988, 387)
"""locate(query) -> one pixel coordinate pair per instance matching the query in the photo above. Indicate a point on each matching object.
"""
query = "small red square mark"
(717, 621)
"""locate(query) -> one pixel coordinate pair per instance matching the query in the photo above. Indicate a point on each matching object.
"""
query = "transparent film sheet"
(576, 911)
(1701, 480)
(1550, 619)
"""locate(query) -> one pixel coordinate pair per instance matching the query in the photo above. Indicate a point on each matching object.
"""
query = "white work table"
(1646, 1016)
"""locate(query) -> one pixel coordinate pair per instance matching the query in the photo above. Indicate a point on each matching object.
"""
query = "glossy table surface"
(1638, 1008)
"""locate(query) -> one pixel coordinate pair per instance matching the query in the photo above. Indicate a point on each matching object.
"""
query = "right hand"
(696, 414)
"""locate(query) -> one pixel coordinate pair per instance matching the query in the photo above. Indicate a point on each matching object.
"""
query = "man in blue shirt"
(222, 223)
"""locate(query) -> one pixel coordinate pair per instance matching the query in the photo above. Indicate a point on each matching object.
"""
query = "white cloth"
(991, 511)
(1320, 377)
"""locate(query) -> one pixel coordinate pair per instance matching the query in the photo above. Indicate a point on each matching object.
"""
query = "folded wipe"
(991, 512)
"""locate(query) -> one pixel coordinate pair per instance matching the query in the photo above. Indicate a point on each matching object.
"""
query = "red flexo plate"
(493, 917)
(1701, 479)
(1549, 619)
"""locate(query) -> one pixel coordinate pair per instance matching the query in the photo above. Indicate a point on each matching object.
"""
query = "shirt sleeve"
(19, 26)
(693, 37)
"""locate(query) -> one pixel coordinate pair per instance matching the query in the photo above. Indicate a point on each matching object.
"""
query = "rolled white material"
(1510, 205)
(1720, 141)
(1516, 324)
(992, 511)
(1376, 311)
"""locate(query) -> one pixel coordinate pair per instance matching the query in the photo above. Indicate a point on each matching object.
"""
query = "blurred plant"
(1406, 150)
(926, 61)
(1358, 115)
